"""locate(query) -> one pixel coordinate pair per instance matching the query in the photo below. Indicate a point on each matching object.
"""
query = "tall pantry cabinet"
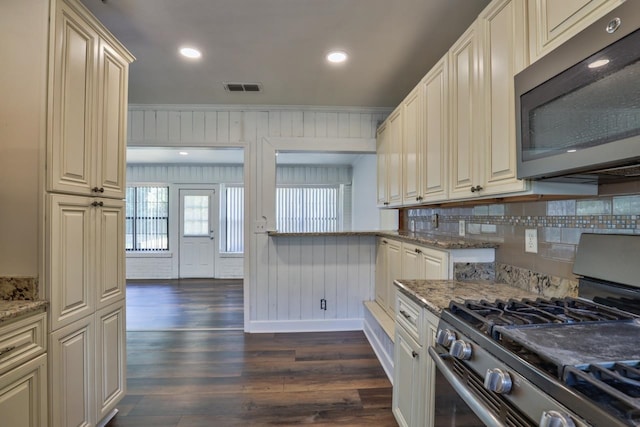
(84, 217)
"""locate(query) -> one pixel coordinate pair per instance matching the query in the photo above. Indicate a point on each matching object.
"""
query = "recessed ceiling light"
(183, 153)
(573, 150)
(190, 52)
(337, 56)
(598, 63)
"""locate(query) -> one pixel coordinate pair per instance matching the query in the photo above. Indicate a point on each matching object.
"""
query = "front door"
(198, 216)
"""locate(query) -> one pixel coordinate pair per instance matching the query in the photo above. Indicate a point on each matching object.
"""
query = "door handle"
(211, 236)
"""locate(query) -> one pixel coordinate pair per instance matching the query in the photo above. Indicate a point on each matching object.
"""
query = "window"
(147, 220)
(317, 208)
(308, 209)
(232, 225)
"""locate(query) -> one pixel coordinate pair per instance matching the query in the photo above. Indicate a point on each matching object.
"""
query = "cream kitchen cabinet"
(73, 391)
(86, 246)
(465, 131)
(419, 262)
(412, 139)
(553, 22)
(388, 268)
(503, 52)
(110, 358)
(431, 328)
(86, 147)
(433, 153)
(409, 375)
(90, 378)
(390, 165)
(23, 372)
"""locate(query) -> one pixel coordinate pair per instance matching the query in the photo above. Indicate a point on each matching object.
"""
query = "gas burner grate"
(614, 387)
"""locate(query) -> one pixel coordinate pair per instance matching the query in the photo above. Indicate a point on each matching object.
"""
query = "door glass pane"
(196, 215)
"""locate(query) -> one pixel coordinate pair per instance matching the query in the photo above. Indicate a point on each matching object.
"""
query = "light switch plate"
(531, 240)
(461, 228)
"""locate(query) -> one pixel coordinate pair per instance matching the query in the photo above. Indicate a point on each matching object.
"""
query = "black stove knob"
(445, 337)
(556, 419)
(497, 381)
(460, 350)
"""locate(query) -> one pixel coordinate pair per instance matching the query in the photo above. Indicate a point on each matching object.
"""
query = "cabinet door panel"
(394, 271)
(112, 112)
(72, 389)
(503, 28)
(381, 274)
(412, 140)
(464, 131)
(70, 241)
(70, 151)
(23, 395)
(407, 393)
(394, 162)
(435, 264)
(110, 358)
(411, 268)
(553, 22)
(382, 166)
(110, 263)
(434, 151)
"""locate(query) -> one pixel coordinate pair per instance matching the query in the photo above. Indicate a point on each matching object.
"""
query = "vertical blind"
(147, 219)
(234, 215)
(307, 209)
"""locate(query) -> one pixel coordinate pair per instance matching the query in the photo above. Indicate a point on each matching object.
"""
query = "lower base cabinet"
(408, 380)
(90, 375)
(413, 370)
(23, 394)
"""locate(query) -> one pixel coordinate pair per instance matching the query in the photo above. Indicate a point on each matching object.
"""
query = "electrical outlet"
(260, 226)
(461, 228)
(531, 241)
(435, 221)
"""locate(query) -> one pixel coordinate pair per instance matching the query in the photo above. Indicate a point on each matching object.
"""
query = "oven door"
(457, 404)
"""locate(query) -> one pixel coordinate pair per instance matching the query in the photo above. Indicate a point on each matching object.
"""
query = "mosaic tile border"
(622, 222)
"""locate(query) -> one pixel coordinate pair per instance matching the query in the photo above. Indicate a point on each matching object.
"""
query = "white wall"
(364, 211)
(23, 48)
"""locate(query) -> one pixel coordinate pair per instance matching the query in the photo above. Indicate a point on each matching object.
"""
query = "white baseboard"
(386, 360)
(264, 326)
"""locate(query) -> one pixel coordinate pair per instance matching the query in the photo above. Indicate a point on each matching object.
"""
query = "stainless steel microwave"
(578, 108)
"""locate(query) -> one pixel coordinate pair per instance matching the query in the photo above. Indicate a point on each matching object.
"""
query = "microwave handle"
(479, 408)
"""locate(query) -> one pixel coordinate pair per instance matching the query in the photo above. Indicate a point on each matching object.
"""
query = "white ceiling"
(169, 155)
(281, 44)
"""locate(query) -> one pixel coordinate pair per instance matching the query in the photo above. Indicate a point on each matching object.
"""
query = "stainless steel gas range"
(548, 362)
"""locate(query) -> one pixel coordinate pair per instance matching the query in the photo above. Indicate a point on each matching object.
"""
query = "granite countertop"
(435, 295)
(10, 309)
(434, 240)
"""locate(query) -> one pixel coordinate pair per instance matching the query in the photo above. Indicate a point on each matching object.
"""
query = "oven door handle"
(465, 392)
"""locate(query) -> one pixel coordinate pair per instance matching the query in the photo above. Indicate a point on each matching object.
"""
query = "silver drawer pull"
(7, 350)
(407, 316)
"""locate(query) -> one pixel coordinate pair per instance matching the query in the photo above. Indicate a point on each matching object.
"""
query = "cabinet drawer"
(22, 340)
(409, 316)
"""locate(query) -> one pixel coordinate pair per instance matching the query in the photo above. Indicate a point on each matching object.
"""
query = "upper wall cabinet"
(86, 152)
(412, 138)
(503, 53)
(466, 129)
(389, 144)
(433, 154)
(552, 22)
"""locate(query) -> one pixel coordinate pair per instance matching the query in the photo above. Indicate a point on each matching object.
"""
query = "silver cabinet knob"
(460, 350)
(556, 419)
(445, 337)
(497, 381)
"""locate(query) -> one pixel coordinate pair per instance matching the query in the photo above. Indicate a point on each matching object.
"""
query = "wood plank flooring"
(192, 378)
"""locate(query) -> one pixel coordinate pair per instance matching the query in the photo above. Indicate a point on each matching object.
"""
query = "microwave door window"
(596, 105)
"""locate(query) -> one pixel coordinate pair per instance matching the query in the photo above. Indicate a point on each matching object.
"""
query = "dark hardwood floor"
(189, 378)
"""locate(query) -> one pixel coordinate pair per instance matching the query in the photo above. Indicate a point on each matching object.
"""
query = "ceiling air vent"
(242, 87)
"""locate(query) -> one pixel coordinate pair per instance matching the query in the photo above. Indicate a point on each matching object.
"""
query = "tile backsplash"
(559, 224)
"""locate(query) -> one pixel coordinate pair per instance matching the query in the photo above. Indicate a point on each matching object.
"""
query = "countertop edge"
(13, 309)
(432, 240)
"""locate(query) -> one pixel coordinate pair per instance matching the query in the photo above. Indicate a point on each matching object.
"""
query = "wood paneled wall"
(283, 277)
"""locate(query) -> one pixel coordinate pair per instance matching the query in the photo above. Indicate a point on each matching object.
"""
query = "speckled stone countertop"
(435, 295)
(434, 240)
(10, 309)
